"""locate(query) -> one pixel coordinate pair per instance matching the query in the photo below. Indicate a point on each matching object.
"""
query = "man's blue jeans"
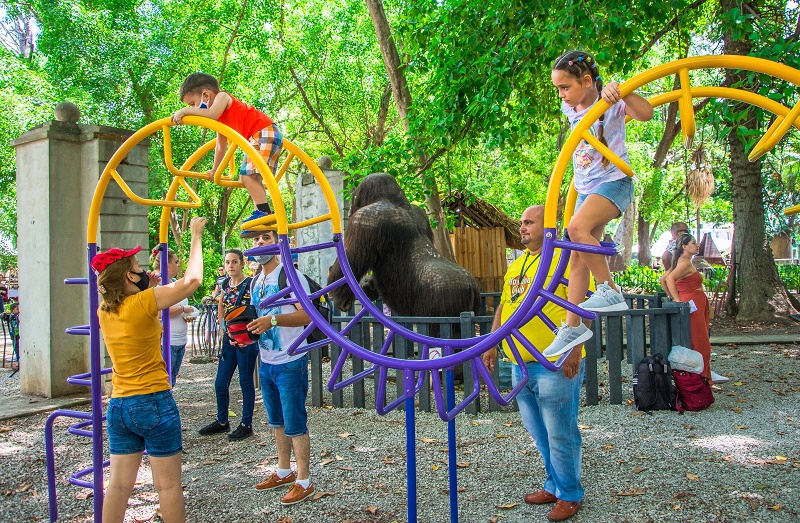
(231, 357)
(548, 405)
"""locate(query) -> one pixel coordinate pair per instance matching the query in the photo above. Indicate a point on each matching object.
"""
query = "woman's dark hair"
(238, 253)
(577, 64)
(680, 243)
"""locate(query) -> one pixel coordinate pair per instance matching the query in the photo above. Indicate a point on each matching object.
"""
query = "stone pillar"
(58, 165)
(310, 204)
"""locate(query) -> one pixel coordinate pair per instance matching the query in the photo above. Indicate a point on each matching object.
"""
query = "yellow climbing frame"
(785, 117)
(277, 221)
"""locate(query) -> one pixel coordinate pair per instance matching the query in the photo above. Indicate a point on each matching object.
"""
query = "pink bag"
(694, 391)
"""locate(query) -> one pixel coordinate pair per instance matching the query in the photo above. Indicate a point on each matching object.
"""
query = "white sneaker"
(718, 378)
(566, 338)
(605, 299)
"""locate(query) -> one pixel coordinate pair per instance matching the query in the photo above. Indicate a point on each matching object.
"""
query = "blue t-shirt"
(274, 343)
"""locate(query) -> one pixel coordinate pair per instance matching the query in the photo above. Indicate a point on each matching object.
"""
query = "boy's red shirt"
(244, 119)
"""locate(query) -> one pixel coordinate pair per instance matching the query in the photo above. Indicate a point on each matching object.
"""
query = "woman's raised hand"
(197, 225)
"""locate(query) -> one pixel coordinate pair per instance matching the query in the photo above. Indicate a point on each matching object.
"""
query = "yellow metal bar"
(569, 207)
(794, 209)
(608, 153)
(310, 221)
(146, 201)
(747, 63)
(688, 126)
(284, 167)
(227, 162)
(774, 134)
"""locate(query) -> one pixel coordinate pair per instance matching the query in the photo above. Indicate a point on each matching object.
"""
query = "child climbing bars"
(201, 93)
(604, 191)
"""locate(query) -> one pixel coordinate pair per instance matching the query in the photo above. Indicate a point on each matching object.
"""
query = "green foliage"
(790, 275)
(715, 279)
(638, 280)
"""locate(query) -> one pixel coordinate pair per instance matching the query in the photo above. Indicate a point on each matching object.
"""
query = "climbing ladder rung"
(76, 281)
(80, 330)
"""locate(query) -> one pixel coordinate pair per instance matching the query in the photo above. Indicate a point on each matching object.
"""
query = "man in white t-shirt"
(284, 378)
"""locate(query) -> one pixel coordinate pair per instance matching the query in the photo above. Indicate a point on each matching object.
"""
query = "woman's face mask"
(144, 280)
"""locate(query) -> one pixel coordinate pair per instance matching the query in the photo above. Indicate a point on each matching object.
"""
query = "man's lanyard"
(522, 273)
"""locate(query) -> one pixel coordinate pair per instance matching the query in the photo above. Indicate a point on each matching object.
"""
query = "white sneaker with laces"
(718, 378)
(566, 338)
(605, 299)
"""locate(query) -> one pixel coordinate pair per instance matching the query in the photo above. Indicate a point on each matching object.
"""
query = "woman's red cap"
(104, 259)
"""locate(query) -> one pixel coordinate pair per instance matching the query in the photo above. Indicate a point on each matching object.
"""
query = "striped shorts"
(268, 142)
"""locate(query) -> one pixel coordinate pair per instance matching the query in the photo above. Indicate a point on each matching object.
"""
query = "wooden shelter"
(482, 234)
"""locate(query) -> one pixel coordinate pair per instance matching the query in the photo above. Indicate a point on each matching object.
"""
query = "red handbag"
(694, 391)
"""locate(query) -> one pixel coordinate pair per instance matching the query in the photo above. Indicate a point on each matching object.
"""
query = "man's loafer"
(540, 498)
(563, 510)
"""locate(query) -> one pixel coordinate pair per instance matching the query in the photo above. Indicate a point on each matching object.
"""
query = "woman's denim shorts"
(619, 192)
(144, 422)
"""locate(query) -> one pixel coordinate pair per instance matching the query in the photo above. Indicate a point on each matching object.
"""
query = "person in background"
(235, 288)
(677, 230)
(548, 404)
(179, 314)
(142, 414)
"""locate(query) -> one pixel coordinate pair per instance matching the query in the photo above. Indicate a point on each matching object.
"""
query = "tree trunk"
(402, 98)
(763, 296)
(643, 237)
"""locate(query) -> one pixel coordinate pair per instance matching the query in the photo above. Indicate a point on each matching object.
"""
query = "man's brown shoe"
(540, 498)
(273, 481)
(563, 510)
(297, 494)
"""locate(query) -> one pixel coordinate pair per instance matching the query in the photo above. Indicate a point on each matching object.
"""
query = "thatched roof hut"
(474, 212)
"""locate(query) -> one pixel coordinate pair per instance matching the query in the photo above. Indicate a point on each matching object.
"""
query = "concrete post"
(310, 204)
(58, 165)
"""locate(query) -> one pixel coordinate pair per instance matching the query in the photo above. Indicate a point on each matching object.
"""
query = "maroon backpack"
(694, 391)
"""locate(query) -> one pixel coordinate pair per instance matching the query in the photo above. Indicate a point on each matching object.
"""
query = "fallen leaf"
(24, 487)
(345, 435)
(462, 464)
(285, 519)
(347, 468)
(585, 427)
(500, 436)
(740, 427)
(434, 467)
(608, 447)
(737, 410)
(327, 462)
(506, 507)
(6, 429)
(639, 470)
(693, 477)
(775, 507)
(509, 424)
(320, 494)
(737, 383)
(372, 510)
(631, 492)
(459, 489)
(339, 458)
(86, 494)
(681, 495)
(688, 427)
(427, 440)
(325, 453)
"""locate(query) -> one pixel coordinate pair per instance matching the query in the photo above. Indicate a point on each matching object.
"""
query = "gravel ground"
(737, 461)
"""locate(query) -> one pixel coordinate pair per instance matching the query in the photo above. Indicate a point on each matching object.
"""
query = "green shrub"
(790, 274)
(638, 280)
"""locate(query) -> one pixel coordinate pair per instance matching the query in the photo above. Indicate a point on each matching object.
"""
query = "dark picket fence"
(649, 327)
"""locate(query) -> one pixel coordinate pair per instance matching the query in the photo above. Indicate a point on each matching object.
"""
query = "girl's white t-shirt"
(587, 162)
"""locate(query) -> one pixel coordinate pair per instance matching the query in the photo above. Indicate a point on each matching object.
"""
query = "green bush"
(715, 279)
(638, 280)
(790, 274)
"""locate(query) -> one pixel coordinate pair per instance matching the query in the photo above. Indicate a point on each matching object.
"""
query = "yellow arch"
(786, 117)
(277, 221)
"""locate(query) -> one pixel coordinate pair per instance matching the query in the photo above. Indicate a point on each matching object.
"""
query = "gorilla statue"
(393, 238)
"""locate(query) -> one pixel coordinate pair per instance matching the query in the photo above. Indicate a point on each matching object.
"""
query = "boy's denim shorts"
(144, 422)
(619, 192)
(284, 389)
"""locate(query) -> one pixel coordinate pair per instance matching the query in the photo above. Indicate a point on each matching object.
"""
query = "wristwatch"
(274, 320)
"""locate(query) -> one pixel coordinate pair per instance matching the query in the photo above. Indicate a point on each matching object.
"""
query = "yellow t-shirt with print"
(133, 339)
(518, 278)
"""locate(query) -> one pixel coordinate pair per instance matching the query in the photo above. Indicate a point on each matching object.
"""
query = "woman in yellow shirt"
(141, 413)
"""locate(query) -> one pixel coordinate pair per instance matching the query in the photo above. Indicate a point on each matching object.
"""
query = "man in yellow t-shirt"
(548, 403)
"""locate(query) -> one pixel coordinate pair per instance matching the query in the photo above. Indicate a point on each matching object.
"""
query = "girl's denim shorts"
(619, 192)
(144, 422)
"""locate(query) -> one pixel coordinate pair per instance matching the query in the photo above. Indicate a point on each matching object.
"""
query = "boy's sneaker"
(274, 481)
(215, 428)
(605, 299)
(241, 432)
(256, 215)
(566, 338)
(297, 494)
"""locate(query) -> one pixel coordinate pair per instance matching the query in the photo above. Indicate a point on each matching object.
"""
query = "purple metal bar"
(583, 313)
(451, 447)
(333, 385)
(411, 445)
(49, 451)
(166, 348)
(76, 281)
(80, 330)
(584, 247)
(97, 390)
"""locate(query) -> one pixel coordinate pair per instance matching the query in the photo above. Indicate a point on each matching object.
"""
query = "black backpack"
(653, 385)
(321, 303)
